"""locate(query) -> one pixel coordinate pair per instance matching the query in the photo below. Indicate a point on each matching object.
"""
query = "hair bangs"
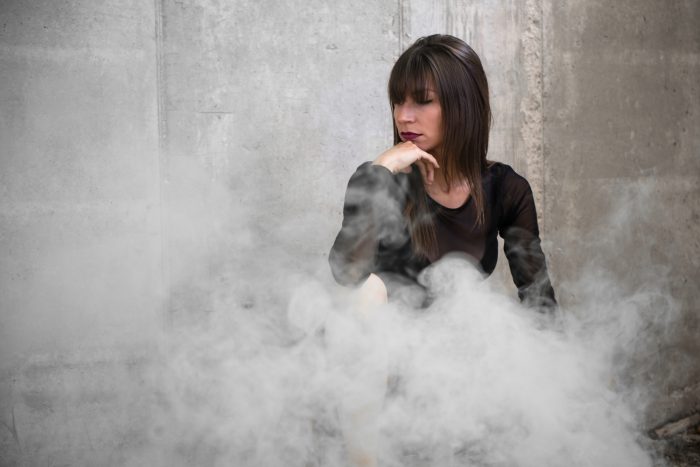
(413, 76)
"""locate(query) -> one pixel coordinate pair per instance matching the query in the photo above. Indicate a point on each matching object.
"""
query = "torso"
(457, 231)
(456, 228)
(509, 211)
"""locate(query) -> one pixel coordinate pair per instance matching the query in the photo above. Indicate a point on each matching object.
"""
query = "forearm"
(528, 267)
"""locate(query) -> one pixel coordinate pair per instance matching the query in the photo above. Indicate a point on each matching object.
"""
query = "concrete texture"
(621, 117)
(150, 150)
(267, 101)
(80, 277)
(79, 172)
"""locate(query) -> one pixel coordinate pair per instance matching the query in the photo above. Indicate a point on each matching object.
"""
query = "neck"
(440, 182)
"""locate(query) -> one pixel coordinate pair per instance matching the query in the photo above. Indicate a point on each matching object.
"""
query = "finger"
(429, 172)
(423, 173)
(429, 157)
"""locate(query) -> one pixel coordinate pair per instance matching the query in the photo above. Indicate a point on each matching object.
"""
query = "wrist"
(386, 164)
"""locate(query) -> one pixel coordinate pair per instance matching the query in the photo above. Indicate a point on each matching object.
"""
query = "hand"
(400, 158)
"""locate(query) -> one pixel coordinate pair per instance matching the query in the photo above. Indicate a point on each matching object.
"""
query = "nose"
(404, 113)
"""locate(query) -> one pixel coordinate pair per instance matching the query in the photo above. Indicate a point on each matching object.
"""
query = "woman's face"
(420, 121)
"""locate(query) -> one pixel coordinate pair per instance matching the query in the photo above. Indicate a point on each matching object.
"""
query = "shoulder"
(513, 194)
(507, 179)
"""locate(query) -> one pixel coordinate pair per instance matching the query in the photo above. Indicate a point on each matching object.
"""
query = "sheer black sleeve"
(372, 215)
(522, 247)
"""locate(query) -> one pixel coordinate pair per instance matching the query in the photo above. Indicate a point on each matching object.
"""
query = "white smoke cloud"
(267, 362)
(297, 374)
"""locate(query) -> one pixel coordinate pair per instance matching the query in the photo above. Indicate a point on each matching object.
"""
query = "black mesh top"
(374, 235)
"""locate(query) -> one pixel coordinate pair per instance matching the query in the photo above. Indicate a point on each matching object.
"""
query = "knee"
(373, 291)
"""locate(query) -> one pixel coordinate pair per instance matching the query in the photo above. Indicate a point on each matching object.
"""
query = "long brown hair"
(454, 71)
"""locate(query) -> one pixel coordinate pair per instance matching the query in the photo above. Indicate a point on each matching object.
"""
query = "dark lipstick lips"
(409, 136)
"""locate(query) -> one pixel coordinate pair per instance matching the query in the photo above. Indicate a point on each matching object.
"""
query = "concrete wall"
(80, 275)
(152, 149)
(267, 100)
(621, 111)
(80, 177)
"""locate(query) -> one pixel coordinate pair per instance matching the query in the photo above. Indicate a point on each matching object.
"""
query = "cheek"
(393, 116)
(437, 121)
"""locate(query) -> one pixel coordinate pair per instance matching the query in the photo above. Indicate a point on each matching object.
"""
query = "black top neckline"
(486, 175)
(445, 208)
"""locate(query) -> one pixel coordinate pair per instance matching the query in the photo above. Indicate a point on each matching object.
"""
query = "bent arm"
(522, 245)
(372, 214)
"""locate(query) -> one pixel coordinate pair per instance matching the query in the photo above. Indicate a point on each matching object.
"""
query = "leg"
(363, 403)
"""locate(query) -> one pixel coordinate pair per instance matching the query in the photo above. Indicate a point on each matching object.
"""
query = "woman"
(434, 192)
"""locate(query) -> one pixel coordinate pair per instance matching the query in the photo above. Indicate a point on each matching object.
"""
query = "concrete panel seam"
(532, 104)
(402, 24)
(163, 173)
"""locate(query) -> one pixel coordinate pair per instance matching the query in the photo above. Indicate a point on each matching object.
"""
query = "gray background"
(147, 148)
